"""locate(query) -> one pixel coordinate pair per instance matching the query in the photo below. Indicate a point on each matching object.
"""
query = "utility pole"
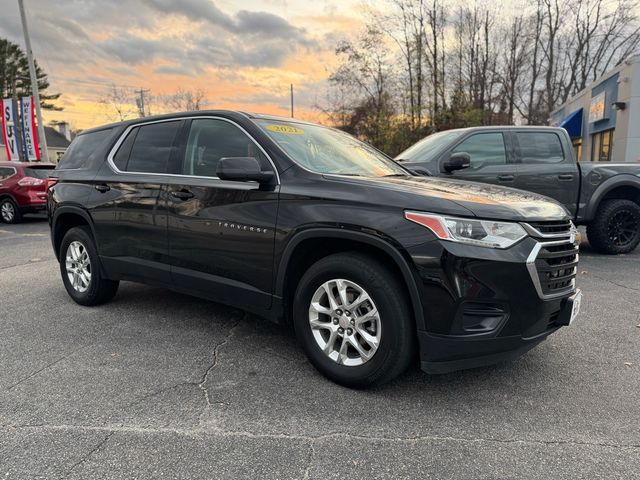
(292, 100)
(34, 84)
(140, 102)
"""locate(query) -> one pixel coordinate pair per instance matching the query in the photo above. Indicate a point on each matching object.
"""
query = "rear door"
(491, 159)
(546, 167)
(221, 232)
(130, 225)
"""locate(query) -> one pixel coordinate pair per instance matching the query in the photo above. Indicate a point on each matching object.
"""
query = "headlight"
(483, 233)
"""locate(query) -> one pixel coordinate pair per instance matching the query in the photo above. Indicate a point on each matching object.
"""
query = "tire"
(9, 211)
(616, 227)
(87, 286)
(393, 330)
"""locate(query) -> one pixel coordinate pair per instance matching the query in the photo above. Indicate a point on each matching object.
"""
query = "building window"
(601, 146)
(577, 148)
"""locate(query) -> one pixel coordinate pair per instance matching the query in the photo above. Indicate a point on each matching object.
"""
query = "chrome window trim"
(124, 134)
(533, 271)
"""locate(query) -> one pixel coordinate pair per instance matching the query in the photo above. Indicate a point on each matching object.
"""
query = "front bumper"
(482, 306)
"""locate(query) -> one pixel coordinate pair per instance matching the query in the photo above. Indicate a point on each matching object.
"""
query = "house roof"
(54, 138)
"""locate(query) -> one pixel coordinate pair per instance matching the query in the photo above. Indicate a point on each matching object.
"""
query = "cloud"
(196, 10)
(133, 49)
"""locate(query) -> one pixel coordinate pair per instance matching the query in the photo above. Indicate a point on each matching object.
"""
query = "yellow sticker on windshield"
(288, 129)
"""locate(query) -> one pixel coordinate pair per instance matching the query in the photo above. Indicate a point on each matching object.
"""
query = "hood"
(480, 199)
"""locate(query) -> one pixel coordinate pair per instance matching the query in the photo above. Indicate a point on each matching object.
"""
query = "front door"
(545, 167)
(221, 232)
(491, 161)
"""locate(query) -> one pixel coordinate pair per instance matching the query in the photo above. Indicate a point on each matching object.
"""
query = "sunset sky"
(243, 54)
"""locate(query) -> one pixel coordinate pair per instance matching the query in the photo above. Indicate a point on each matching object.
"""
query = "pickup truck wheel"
(79, 267)
(616, 227)
(352, 320)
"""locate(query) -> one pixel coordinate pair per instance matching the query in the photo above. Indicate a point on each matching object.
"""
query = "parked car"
(603, 196)
(23, 189)
(309, 227)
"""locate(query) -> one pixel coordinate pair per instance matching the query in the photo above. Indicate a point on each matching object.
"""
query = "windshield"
(427, 148)
(325, 150)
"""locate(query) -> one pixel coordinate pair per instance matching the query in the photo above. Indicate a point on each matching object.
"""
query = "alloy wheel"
(8, 211)
(78, 266)
(622, 227)
(345, 322)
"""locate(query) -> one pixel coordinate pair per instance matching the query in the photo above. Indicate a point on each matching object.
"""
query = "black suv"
(307, 226)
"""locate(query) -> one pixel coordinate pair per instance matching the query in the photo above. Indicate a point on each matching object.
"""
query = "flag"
(29, 135)
(10, 130)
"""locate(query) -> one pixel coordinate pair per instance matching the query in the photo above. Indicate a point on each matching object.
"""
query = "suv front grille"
(556, 227)
(557, 266)
(553, 263)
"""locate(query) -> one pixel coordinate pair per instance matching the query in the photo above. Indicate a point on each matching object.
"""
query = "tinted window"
(484, 149)
(84, 148)
(38, 172)
(121, 157)
(210, 140)
(6, 172)
(152, 147)
(540, 147)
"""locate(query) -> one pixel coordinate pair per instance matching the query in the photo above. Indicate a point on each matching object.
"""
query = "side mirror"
(242, 169)
(457, 161)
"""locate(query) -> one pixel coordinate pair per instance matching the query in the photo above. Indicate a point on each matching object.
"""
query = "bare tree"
(185, 100)
(119, 103)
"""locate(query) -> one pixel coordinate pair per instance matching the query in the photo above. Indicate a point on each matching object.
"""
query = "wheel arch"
(65, 218)
(626, 187)
(309, 246)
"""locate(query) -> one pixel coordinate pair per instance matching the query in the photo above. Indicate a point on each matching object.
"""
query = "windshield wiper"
(396, 175)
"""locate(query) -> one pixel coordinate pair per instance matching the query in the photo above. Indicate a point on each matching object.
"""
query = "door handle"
(565, 176)
(103, 187)
(506, 178)
(182, 195)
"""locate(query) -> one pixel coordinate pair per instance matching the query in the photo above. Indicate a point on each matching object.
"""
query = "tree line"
(420, 66)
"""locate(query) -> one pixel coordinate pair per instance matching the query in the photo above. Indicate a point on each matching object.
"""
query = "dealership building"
(603, 120)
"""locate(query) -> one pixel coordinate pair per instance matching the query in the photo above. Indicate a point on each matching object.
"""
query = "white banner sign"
(9, 130)
(29, 136)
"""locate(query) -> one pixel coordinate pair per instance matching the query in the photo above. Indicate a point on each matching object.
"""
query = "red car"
(23, 189)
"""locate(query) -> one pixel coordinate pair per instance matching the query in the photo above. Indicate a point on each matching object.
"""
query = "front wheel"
(79, 267)
(616, 227)
(352, 319)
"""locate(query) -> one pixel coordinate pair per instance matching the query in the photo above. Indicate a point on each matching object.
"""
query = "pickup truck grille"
(553, 263)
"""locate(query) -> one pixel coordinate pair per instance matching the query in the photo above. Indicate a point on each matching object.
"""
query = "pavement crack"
(617, 284)
(307, 470)
(33, 374)
(221, 433)
(216, 358)
(7, 267)
(89, 454)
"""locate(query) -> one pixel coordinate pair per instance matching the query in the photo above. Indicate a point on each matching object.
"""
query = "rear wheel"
(616, 227)
(9, 212)
(79, 267)
(352, 319)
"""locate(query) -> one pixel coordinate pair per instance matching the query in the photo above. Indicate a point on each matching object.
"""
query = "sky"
(242, 54)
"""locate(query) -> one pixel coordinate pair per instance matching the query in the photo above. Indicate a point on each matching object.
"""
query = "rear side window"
(83, 149)
(152, 147)
(484, 149)
(38, 172)
(540, 147)
(6, 172)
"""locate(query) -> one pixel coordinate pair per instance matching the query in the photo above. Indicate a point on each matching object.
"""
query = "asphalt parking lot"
(161, 385)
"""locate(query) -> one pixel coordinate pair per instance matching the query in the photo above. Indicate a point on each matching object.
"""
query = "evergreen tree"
(15, 81)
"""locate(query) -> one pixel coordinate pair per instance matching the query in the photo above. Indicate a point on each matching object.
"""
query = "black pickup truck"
(603, 196)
